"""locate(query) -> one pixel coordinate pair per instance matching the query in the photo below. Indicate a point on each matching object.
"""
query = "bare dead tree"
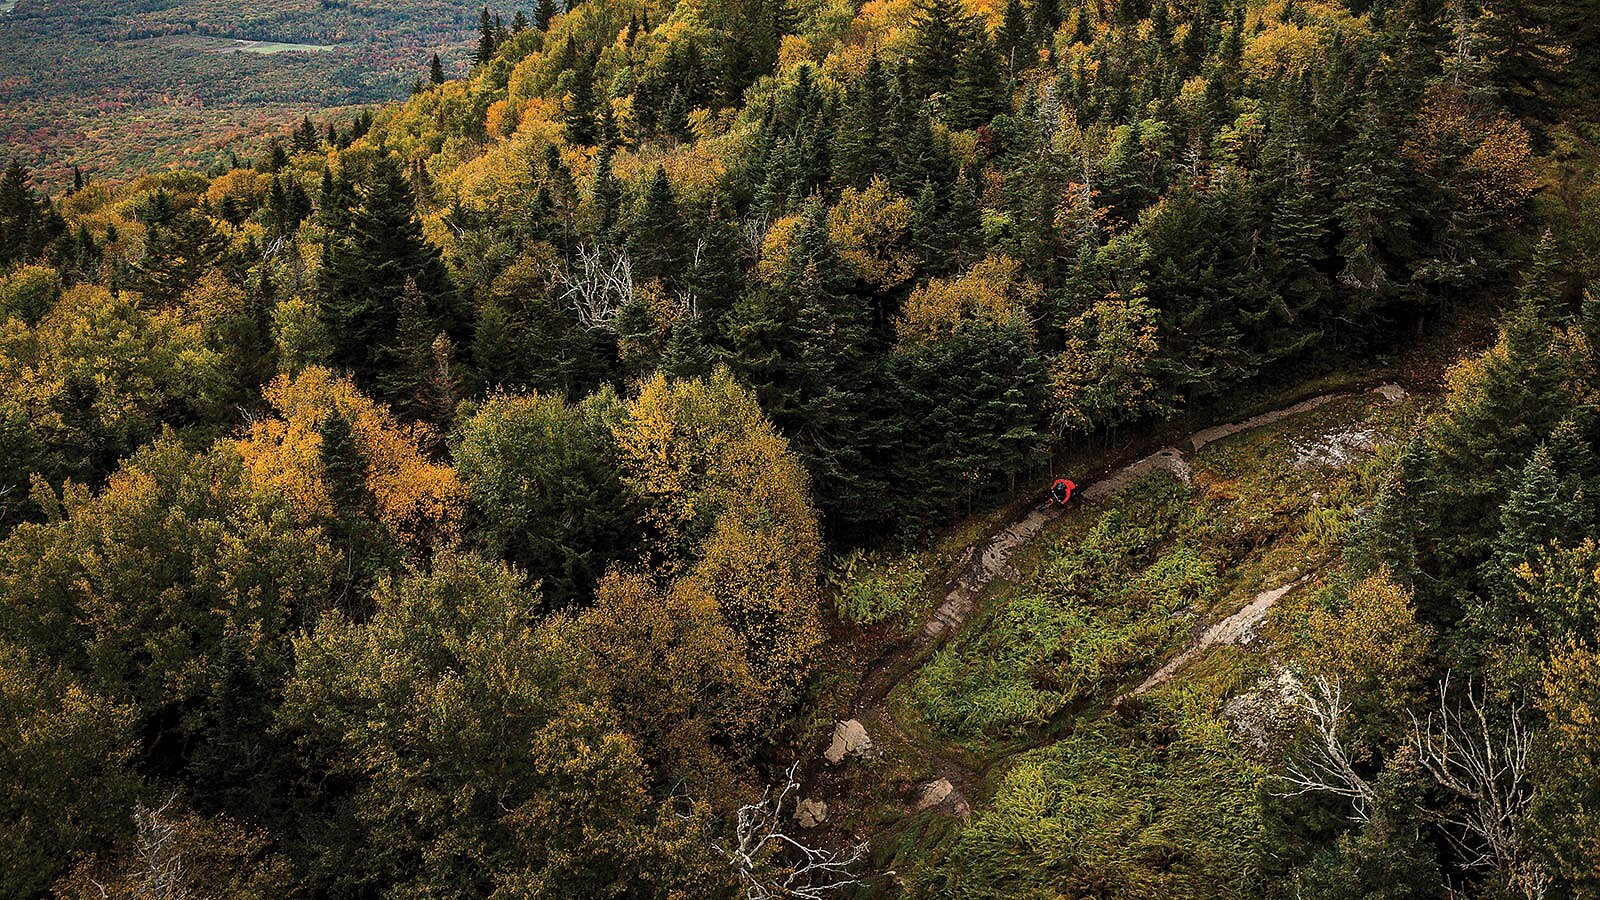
(161, 869)
(596, 284)
(1326, 768)
(754, 232)
(1486, 765)
(771, 865)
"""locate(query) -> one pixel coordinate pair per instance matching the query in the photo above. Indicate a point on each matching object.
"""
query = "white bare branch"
(596, 284)
(1486, 765)
(1326, 768)
(161, 873)
(754, 231)
(771, 865)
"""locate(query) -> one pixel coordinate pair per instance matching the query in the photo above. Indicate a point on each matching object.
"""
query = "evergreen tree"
(1043, 21)
(581, 127)
(435, 71)
(543, 13)
(978, 87)
(519, 23)
(366, 269)
(656, 236)
(860, 148)
(176, 257)
(486, 39)
(1013, 40)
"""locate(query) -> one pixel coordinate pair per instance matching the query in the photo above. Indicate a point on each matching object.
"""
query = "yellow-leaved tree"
(992, 292)
(732, 544)
(419, 502)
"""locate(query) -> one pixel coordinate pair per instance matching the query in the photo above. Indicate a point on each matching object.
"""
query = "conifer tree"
(486, 39)
(580, 123)
(435, 71)
(1012, 41)
(367, 267)
(543, 13)
(656, 236)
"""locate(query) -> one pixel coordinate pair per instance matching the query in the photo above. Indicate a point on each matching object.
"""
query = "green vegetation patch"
(1100, 606)
(1163, 807)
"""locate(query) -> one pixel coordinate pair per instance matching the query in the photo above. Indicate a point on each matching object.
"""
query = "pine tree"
(860, 150)
(1046, 18)
(1013, 40)
(938, 33)
(978, 85)
(543, 13)
(605, 192)
(367, 267)
(687, 354)
(305, 137)
(581, 127)
(176, 257)
(716, 279)
(675, 117)
(519, 23)
(435, 71)
(486, 39)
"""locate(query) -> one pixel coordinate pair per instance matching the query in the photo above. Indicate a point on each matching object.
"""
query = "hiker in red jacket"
(1061, 491)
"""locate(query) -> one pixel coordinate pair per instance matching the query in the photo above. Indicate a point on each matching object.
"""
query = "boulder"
(849, 739)
(810, 813)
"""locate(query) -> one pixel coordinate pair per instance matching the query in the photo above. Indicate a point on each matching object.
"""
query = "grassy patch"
(1162, 806)
(1098, 606)
(878, 587)
(266, 48)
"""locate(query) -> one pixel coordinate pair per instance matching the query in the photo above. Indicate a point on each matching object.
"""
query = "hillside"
(129, 85)
(618, 469)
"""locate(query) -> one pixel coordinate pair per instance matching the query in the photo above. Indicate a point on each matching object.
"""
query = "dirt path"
(984, 563)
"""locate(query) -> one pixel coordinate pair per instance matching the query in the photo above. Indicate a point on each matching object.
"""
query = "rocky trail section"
(1239, 628)
(950, 781)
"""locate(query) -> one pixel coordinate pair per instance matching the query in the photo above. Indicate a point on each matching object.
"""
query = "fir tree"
(366, 270)
(486, 39)
(656, 236)
(581, 127)
(435, 71)
(543, 13)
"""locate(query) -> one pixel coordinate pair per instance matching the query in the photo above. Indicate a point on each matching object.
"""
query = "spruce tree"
(656, 238)
(581, 127)
(543, 13)
(486, 39)
(435, 71)
(1013, 39)
(366, 270)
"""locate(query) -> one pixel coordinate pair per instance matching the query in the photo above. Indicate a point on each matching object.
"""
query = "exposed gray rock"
(849, 739)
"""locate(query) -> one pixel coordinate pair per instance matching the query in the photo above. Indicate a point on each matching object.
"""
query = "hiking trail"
(949, 781)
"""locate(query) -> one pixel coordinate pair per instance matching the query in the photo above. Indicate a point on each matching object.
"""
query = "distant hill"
(127, 85)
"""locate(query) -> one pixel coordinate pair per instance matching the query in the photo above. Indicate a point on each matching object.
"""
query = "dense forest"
(123, 86)
(503, 492)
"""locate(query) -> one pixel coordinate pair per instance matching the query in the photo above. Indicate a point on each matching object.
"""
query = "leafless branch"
(161, 864)
(596, 284)
(1487, 767)
(1326, 768)
(771, 865)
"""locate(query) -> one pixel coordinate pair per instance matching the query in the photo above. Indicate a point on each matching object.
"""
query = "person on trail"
(1061, 491)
